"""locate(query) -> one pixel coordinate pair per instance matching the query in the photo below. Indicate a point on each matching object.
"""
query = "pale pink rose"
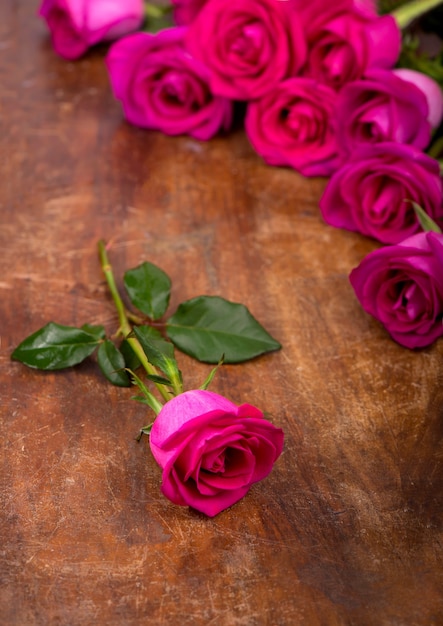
(249, 46)
(76, 25)
(402, 287)
(211, 450)
(294, 125)
(163, 88)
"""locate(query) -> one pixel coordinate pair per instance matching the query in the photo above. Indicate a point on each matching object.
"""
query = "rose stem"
(125, 327)
(408, 12)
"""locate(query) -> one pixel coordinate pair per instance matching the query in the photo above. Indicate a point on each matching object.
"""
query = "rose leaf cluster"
(211, 451)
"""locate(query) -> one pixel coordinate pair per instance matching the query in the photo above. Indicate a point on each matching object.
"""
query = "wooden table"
(347, 529)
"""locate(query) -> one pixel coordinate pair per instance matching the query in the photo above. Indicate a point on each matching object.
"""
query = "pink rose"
(382, 107)
(345, 41)
(162, 87)
(185, 11)
(248, 45)
(431, 89)
(76, 25)
(402, 287)
(211, 450)
(294, 125)
(370, 194)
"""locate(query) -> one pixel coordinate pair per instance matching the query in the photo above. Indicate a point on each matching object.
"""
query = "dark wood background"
(347, 529)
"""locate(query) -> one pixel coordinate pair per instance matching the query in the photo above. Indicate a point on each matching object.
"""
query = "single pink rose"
(76, 25)
(185, 11)
(345, 40)
(248, 45)
(371, 192)
(431, 89)
(382, 107)
(294, 125)
(211, 450)
(162, 87)
(402, 287)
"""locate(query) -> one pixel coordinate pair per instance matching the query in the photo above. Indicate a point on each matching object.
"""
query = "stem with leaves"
(125, 328)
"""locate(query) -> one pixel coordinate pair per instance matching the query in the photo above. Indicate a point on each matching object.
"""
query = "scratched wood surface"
(347, 529)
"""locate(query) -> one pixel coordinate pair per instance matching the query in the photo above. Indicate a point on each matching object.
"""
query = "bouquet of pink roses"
(322, 95)
(328, 89)
(321, 88)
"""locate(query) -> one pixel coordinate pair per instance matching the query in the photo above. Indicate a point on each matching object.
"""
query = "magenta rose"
(248, 45)
(162, 87)
(185, 11)
(294, 126)
(382, 107)
(211, 450)
(431, 89)
(76, 25)
(371, 193)
(344, 41)
(402, 287)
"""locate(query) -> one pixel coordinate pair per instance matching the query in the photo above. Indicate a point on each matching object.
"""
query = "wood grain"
(348, 527)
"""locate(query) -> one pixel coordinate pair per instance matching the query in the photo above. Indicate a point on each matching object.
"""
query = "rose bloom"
(76, 25)
(431, 89)
(382, 107)
(185, 11)
(345, 40)
(402, 287)
(211, 450)
(371, 193)
(248, 45)
(162, 87)
(294, 125)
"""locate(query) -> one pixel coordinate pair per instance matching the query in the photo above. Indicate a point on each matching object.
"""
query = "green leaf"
(112, 364)
(132, 361)
(149, 289)
(212, 373)
(146, 430)
(160, 354)
(97, 331)
(426, 222)
(55, 347)
(157, 18)
(412, 58)
(147, 398)
(159, 379)
(153, 336)
(208, 326)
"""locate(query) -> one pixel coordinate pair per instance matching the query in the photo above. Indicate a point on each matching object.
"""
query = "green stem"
(125, 327)
(410, 11)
